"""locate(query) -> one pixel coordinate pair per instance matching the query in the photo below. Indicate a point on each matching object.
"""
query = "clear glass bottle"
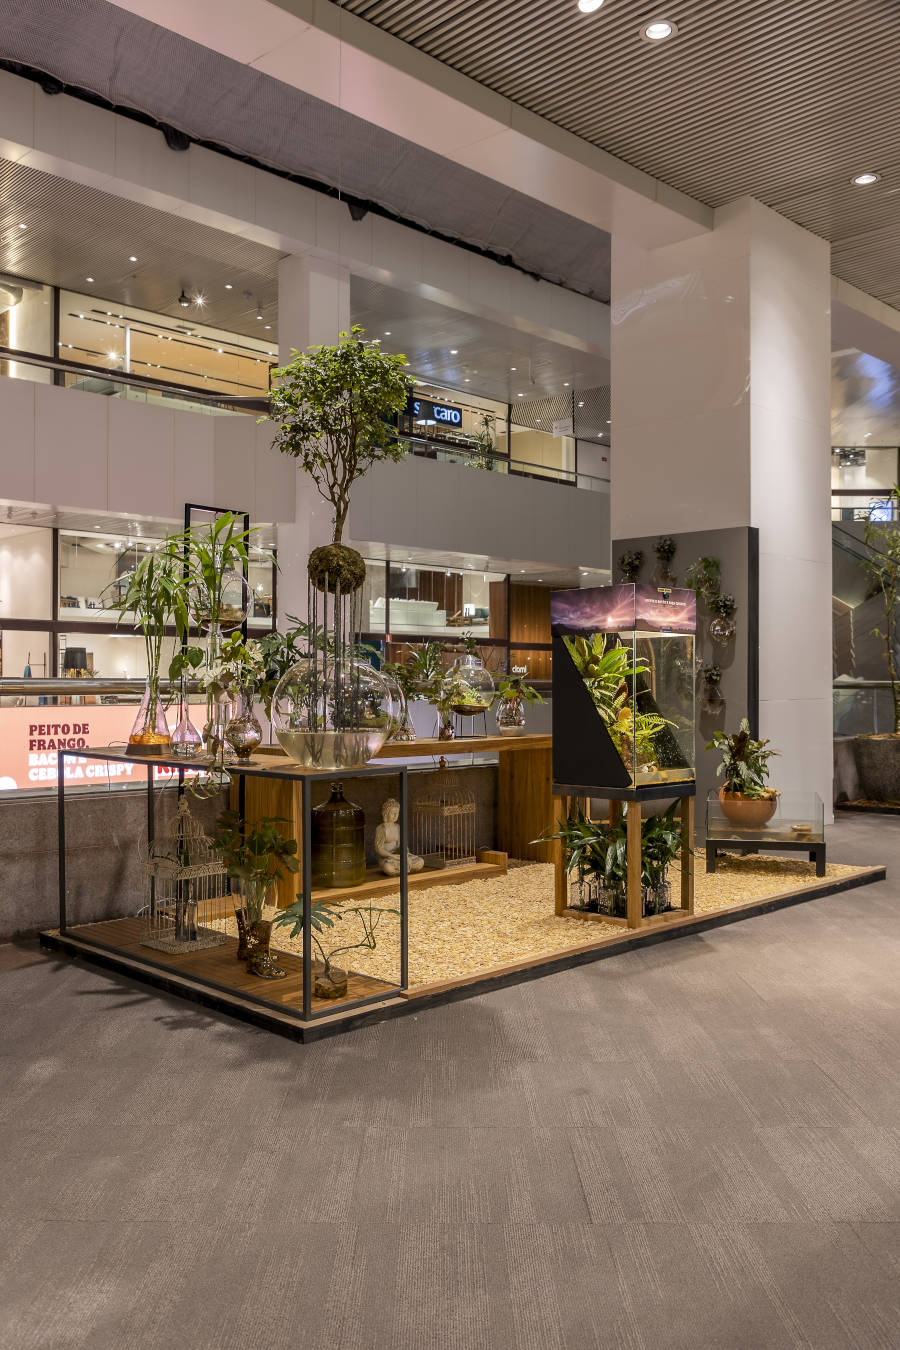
(187, 742)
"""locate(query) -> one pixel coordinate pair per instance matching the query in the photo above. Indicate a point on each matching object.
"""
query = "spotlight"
(589, 6)
(864, 179)
(183, 300)
(259, 313)
(658, 30)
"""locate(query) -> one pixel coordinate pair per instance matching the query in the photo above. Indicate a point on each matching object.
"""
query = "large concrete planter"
(878, 767)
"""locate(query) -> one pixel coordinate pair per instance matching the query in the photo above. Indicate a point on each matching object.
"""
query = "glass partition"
(26, 324)
(183, 351)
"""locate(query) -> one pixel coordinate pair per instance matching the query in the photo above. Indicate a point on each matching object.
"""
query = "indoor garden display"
(402, 678)
(596, 860)
(704, 576)
(745, 796)
(155, 594)
(334, 407)
(331, 981)
(665, 550)
(722, 626)
(630, 564)
(237, 667)
(711, 699)
(623, 714)
(512, 695)
(255, 856)
(474, 686)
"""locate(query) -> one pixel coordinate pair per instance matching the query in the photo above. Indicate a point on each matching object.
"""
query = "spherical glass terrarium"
(473, 690)
(227, 609)
(333, 713)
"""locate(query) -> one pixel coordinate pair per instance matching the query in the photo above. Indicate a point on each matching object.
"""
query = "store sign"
(564, 427)
(31, 738)
(434, 414)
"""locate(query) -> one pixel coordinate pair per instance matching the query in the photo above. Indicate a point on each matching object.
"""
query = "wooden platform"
(490, 864)
(219, 966)
(178, 974)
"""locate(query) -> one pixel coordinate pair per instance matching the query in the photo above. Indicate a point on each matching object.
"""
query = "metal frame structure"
(292, 773)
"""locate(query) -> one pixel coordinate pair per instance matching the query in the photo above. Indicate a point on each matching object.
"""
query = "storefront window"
(26, 324)
(26, 589)
(446, 419)
(177, 351)
(89, 567)
(445, 602)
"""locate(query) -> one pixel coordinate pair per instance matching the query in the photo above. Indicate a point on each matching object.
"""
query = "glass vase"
(150, 734)
(243, 732)
(722, 629)
(186, 739)
(445, 726)
(511, 716)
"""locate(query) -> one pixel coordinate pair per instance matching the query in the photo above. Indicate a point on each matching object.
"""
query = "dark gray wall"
(736, 550)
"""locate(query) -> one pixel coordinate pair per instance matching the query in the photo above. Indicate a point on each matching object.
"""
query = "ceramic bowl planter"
(748, 813)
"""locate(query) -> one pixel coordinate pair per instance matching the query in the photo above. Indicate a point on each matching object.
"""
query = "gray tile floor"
(691, 1146)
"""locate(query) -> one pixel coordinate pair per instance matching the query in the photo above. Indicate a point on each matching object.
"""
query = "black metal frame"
(816, 851)
(307, 778)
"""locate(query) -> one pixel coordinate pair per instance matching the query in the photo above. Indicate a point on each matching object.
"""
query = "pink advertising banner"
(30, 739)
(620, 609)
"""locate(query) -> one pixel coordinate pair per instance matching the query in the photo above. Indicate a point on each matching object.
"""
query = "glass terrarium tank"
(623, 686)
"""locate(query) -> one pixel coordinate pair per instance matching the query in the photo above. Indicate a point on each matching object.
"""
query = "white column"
(721, 417)
(313, 307)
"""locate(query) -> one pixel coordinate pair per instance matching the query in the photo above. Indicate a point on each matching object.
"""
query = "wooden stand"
(634, 904)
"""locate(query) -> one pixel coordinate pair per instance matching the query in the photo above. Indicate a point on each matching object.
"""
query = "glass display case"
(623, 688)
(797, 824)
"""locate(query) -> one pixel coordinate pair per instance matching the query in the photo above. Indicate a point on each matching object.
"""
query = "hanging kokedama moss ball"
(335, 565)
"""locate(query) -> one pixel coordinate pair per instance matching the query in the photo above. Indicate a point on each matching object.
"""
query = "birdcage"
(189, 889)
(443, 821)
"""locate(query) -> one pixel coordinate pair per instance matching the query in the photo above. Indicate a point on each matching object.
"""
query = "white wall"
(425, 504)
(25, 572)
(74, 451)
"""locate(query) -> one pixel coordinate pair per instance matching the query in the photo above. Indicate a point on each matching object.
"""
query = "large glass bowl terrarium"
(472, 688)
(333, 712)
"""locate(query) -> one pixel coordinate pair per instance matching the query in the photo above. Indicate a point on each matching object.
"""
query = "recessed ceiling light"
(220, 350)
(132, 258)
(268, 325)
(512, 367)
(89, 278)
(467, 381)
(590, 6)
(387, 333)
(520, 395)
(565, 384)
(864, 179)
(200, 300)
(23, 227)
(658, 30)
(228, 286)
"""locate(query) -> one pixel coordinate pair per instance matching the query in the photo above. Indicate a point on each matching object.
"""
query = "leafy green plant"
(712, 674)
(513, 687)
(334, 407)
(630, 564)
(599, 850)
(745, 762)
(606, 669)
(156, 595)
(211, 552)
(704, 577)
(256, 850)
(882, 568)
(483, 452)
(665, 549)
(324, 914)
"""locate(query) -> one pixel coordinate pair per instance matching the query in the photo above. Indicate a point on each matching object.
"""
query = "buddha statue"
(387, 842)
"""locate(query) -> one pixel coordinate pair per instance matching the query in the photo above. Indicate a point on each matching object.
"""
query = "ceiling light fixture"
(454, 351)
(387, 334)
(590, 6)
(200, 300)
(658, 30)
(183, 300)
(865, 179)
(89, 278)
(132, 258)
(23, 227)
(259, 314)
(228, 286)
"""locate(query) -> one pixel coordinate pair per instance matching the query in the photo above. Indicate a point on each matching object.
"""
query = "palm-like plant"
(211, 553)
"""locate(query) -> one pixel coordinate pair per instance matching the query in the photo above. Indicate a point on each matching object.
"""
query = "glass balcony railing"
(862, 707)
(480, 461)
(115, 384)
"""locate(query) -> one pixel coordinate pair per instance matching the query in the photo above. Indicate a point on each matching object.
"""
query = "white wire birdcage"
(442, 821)
(189, 889)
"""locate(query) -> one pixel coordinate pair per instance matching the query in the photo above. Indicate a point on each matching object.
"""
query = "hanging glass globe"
(333, 713)
(473, 693)
(233, 605)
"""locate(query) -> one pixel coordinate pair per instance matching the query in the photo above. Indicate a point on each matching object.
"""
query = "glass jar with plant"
(611, 675)
(475, 683)
(238, 669)
(255, 856)
(722, 626)
(745, 796)
(331, 982)
(711, 699)
(400, 673)
(630, 564)
(512, 695)
(187, 742)
(155, 594)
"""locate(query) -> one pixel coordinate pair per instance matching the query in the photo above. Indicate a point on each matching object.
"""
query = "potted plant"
(324, 914)
(255, 856)
(665, 550)
(630, 564)
(156, 595)
(747, 800)
(482, 449)
(512, 695)
(597, 854)
(878, 755)
(711, 699)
